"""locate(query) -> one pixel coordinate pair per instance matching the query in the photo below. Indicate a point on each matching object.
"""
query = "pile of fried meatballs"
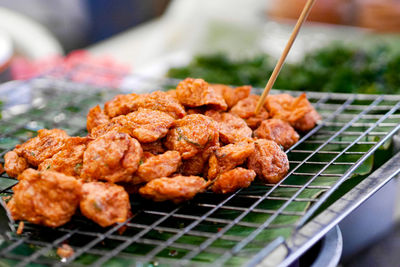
(162, 145)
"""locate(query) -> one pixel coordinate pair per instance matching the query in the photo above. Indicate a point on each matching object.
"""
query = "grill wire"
(211, 229)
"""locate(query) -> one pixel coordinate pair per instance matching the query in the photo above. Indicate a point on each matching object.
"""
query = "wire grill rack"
(237, 229)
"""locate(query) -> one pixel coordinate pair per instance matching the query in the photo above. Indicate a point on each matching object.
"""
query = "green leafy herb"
(339, 68)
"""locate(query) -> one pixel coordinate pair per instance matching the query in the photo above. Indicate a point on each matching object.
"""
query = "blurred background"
(146, 34)
(346, 46)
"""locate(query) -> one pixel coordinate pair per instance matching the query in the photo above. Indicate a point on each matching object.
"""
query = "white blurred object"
(29, 38)
(67, 20)
(190, 26)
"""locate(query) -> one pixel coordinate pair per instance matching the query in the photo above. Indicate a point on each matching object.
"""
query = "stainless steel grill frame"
(350, 122)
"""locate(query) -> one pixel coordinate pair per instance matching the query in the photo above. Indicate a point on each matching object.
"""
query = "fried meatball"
(105, 203)
(43, 146)
(194, 165)
(112, 157)
(232, 129)
(153, 147)
(95, 118)
(176, 189)
(14, 165)
(279, 131)
(193, 134)
(112, 126)
(268, 161)
(47, 198)
(70, 159)
(146, 125)
(228, 157)
(120, 105)
(159, 166)
(245, 109)
(197, 92)
(296, 111)
(161, 101)
(232, 95)
(233, 180)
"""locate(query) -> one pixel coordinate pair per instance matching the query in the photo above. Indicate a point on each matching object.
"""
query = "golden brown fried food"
(176, 189)
(120, 105)
(146, 125)
(193, 134)
(172, 93)
(153, 147)
(194, 165)
(112, 157)
(245, 109)
(268, 161)
(14, 165)
(95, 118)
(233, 180)
(112, 126)
(70, 159)
(161, 101)
(297, 111)
(197, 92)
(43, 146)
(228, 157)
(159, 166)
(105, 203)
(232, 95)
(47, 198)
(232, 129)
(279, 131)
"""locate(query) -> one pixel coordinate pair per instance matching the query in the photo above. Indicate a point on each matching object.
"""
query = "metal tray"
(270, 222)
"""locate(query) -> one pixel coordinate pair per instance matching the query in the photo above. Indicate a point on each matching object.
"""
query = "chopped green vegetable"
(336, 68)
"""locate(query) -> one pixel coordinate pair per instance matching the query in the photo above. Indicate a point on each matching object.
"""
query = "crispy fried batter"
(197, 92)
(232, 95)
(228, 157)
(161, 101)
(172, 93)
(233, 180)
(193, 134)
(297, 111)
(43, 146)
(153, 147)
(113, 157)
(95, 118)
(268, 161)
(159, 166)
(13, 164)
(194, 165)
(176, 189)
(48, 198)
(245, 109)
(70, 159)
(105, 203)
(120, 105)
(279, 131)
(232, 129)
(146, 125)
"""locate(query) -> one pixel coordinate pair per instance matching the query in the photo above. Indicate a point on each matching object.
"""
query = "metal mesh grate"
(236, 229)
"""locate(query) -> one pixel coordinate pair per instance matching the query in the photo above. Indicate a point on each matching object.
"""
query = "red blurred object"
(78, 66)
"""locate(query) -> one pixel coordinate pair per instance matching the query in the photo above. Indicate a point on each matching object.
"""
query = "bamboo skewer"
(278, 67)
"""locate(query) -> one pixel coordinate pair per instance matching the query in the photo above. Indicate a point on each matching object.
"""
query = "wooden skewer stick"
(278, 67)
